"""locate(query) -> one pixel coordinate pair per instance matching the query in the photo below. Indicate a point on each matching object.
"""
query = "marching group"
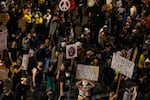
(40, 32)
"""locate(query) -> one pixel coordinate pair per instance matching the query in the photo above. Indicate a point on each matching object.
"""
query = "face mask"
(84, 83)
(67, 74)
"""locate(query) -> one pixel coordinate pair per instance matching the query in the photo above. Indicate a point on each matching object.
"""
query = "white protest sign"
(122, 65)
(108, 2)
(87, 72)
(71, 51)
(25, 61)
(3, 40)
(64, 5)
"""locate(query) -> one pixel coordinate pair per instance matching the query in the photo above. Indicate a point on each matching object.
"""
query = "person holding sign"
(84, 87)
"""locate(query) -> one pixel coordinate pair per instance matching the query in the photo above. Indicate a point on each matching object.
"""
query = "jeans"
(47, 62)
(50, 83)
(36, 91)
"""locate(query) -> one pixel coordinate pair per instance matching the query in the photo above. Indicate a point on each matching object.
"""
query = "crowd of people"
(40, 31)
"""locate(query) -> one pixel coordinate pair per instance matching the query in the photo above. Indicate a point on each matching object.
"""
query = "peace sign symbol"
(64, 5)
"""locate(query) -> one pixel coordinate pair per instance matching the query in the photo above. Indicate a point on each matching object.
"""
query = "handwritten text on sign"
(87, 72)
(122, 65)
(25, 61)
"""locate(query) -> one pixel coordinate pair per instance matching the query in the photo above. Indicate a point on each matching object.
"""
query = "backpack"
(37, 55)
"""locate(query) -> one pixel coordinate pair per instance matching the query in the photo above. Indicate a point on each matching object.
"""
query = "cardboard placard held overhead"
(3, 73)
(122, 65)
(87, 72)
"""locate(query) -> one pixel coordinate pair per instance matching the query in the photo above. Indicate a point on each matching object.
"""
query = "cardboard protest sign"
(87, 72)
(25, 61)
(123, 65)
(3, 73)
(4, 17)
(71, 51)
(3, 40)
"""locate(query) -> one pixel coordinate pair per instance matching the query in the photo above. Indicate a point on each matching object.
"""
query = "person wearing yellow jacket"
(27, 16)
(142, 61)
(28, 19)
(39, 19)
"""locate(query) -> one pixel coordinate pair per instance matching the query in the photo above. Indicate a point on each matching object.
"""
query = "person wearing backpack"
(40, 53)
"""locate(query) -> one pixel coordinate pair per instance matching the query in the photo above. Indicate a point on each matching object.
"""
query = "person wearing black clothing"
(88, 58)
(108, 73)
(12, 23)
(21, 87)
(37, 76)
(64, 81)
(40, 53)
(13, 52)
(79, 10)
(26, 43)
(16, 76)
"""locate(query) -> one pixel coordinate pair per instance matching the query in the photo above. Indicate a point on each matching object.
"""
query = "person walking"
(37, 75)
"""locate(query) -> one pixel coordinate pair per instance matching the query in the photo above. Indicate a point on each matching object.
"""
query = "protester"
(98, 29)
(13, 53)
(128, 92)
(7, 95)
(64, 76)
(37, 76)
(84, 87)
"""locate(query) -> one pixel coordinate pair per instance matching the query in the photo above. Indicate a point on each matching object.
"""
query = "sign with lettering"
(25, 61)
(3, 40)
(122, 65)
(3, 73)
(87, 72)
(64, 5)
